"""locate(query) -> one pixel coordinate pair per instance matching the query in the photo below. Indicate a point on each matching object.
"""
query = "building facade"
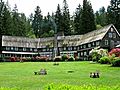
(75, 45)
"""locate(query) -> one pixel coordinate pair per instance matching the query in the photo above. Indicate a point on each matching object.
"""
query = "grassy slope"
(21, 74)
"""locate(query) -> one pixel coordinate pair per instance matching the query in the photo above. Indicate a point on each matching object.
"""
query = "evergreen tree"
(87, 18)
(77, 20)
(113, 11)
(58, 19)
(37, 22)
(7, 21)
(1, 17)
(66, 19)
(15, 19)
(101, 17)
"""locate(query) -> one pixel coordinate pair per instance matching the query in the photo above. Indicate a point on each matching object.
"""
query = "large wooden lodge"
(74, 45)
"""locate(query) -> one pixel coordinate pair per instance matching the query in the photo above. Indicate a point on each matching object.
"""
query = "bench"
(55, 63)
(41, 72)
(94, 74)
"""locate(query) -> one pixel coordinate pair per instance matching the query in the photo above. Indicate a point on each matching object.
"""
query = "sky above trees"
(28, 6)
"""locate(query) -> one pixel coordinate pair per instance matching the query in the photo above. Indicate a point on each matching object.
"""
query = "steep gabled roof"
(95, 35)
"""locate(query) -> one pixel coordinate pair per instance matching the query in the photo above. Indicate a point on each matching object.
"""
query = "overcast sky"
(28, 6)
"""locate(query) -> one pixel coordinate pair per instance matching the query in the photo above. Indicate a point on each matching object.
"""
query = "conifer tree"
(77, 20)
(66, 19)
(87, 18)
(113, 11)
(37, 22)
(101, 17)
(58, 19)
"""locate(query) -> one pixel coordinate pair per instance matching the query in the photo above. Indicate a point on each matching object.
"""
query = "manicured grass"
(21, 76)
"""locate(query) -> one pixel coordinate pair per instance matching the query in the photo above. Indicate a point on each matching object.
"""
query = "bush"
(104, 60)
(116, 63)
(115, 51)
(96, 54)
(71, 58)
(65, 58)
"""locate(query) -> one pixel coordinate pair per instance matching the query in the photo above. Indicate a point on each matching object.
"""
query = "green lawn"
(20, 75)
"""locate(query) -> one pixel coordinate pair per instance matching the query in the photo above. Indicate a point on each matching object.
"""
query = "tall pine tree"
(77, 20)
(101, 17)
(87, 18)
(66, 19)
(37, 22)
(58, 19)
(114, 13)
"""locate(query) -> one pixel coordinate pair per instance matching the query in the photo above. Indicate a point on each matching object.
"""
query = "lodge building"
(74, 45)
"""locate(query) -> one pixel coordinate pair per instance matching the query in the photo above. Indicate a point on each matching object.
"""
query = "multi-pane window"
(97, 43)
(7, 48)
(84, 46)
(118, 42)
(114, 35)
(93, 43)
(89, 45)
(81, 53)
(110, 35)
(35, 50)
(111, 29)
(12, 48)
(64, 48)
(16, 48)
(85, 53)
(74, 48)
(30, 49)
(24, 49)
(106, 42)
(44, 50)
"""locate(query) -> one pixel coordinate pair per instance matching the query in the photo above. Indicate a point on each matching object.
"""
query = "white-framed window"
(64, 48)
(89, 45)
(24, 49)
(93, 43)
(7, 48)
(11, 48)
(114, 35)
(81, 53)
(81, 46)
(111, 29)
(16, 48)
(30, 49)
(118, 42)
(85, 53)
(110, 35)
(69, 48)
(84, 46)
(51, 49)
(106, 42)
(44, 50)
(97, 43)
(74, 48)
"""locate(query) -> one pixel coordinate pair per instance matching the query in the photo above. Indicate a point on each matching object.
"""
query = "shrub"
(116, 63)
(97, 53)
(71, 58)
(115, 51)
(104, 60)
(65, 58)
